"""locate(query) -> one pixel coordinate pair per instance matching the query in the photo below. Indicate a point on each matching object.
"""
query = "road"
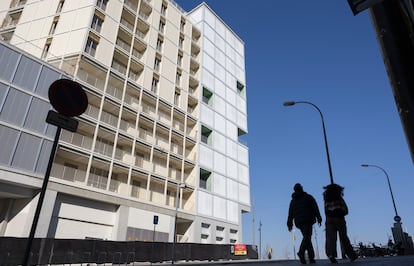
(378, 261)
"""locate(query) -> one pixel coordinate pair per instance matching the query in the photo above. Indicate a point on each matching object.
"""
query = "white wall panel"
(146, 220)
(219, 208)
(230, 81)
(219, 186)
(241, 104)
(220, 88)
(232, 189)
(210, 18)
(231, 168)
(219, 123)
(220, 43)
(219, 142)
(209, 48)
(206, 157)
(220, 28)
(207, 116)
(86, 213)
(220, 57)
(243, 154)
(231, 98)
(231, 149)
(232, 211)
(220, 72)
(205, 203)
(220, 105)
(209, 32)
(219, 163)
(230, 66)
(231, 130)
(208, 62)
(231, 111)
(80, 230)
(208, 80)
(241, 120)
(243, 173)
(244, 194)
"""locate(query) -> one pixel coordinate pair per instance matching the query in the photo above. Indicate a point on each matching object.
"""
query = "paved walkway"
(379, 261)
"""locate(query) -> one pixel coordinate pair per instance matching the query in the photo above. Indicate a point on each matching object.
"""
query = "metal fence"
(78, 251)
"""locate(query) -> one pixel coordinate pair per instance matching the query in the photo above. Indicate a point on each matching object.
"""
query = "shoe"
(353, 258)
(312, 261)
(332, 259)
(302, 259)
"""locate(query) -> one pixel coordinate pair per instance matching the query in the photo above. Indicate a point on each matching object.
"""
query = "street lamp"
(397, 218)
(179, 186)
(324, 133)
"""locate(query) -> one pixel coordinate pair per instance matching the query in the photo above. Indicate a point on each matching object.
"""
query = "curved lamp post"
(179, 186)
(397, 218)
(324, 133)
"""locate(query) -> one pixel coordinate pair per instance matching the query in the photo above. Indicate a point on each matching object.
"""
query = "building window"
(179, 59)
(163, 9)
(161, 27)
(60, 6)
(91, 46)
(96, 23)
(102, 4)
(207, 96)
(177, 97)
(45, 50)
(181, 42)
(206, 135)
(182, 24)
(53, 26)
(205, 179)
(157, 63)
(178, 79)
(159, 45)
(240, 88)
(154, 85)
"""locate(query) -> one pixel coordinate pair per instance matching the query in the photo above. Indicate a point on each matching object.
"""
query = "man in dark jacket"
(304, 211)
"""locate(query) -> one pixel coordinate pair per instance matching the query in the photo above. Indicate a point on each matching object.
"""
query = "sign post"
(69, 99)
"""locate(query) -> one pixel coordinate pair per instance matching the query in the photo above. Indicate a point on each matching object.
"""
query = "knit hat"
(298, 188)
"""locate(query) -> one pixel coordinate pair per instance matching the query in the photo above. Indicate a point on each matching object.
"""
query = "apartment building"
(161, 134)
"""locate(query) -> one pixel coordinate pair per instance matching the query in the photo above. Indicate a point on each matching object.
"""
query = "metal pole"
(260, 239)
(41, 198)
(175, 224)
(324, 134)
(389, 184)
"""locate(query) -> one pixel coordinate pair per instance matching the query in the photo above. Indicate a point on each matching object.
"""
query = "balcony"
(68, 173)
(132, 5)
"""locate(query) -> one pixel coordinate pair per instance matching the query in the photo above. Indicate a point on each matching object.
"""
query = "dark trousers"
(306, 243)
(335, 226)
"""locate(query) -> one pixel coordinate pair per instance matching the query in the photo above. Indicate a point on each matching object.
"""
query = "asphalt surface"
(378, 261)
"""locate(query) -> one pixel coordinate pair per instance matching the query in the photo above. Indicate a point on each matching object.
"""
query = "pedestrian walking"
(303, 213)
(335, 211)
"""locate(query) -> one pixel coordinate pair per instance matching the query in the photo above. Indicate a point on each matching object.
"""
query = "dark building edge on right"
(393, 22)
(394, 26)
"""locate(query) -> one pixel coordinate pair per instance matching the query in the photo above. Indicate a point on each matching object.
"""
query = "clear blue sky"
(318, 51)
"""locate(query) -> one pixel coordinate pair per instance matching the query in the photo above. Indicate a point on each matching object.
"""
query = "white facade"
(167, 105)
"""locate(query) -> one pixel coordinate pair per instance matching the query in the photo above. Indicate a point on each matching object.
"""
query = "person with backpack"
(335, 211)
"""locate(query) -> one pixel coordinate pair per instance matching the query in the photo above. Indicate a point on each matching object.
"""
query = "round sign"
(68, 97)
(397, 218)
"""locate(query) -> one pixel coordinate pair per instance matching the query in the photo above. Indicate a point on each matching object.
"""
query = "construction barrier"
(74, 251)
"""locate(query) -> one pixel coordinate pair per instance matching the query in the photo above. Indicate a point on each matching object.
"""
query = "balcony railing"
(127, 24)
(68, 173)
(126, 47)
(97, 181)
(91, 79)
(76, 139)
